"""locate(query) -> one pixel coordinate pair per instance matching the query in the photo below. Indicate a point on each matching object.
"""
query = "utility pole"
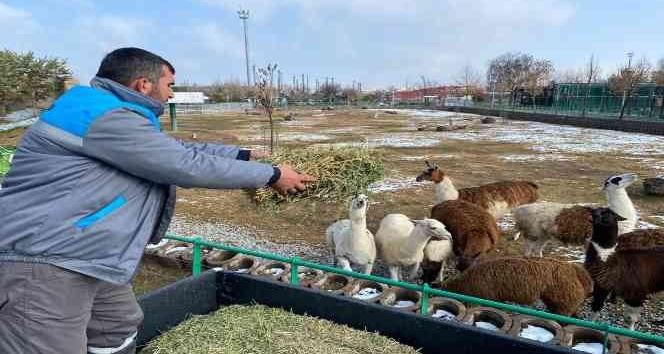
(244, 16)
(628, 84)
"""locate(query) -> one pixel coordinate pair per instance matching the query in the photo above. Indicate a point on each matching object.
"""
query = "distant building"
(188, 98)
(429, 95)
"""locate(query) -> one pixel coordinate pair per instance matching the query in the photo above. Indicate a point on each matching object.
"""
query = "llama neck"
(603, 253)
(415, 242)
(445, 191)
(358, 230)
(620, 203)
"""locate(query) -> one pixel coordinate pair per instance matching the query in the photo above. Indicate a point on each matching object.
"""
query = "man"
(92, 182)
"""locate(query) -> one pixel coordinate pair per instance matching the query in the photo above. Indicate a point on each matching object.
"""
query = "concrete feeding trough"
(272, 269)
(488, 318)
(635, 346)
(305, 276)
(446, 309)
(401, 299)
(537, 329)
(587, 339)
(366, 290)
(217, 258)
(241, 264)
(151, 249)
(333, 283)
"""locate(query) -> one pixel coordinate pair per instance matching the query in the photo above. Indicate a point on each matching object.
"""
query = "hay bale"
(341, 172)
(261, 329)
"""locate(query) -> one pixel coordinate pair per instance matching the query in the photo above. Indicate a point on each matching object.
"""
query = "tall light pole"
(244, 16)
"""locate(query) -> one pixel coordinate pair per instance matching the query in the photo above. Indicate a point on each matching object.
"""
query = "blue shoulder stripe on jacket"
(77, 108)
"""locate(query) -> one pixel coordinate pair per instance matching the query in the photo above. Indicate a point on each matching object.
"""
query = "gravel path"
(651, 320)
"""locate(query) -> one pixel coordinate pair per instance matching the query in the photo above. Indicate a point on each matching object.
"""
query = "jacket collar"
(126, 94)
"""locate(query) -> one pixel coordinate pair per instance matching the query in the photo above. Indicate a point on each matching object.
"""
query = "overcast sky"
(377, 42)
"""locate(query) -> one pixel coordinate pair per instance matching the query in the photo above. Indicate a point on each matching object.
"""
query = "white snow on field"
(427, 157)
(640, 224)
(305, 137)
(404, 140)
(394, 184)
(541, 157)
(561, 139)
(14, 125)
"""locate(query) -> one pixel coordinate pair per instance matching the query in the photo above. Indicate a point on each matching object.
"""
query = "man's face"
(162, 91)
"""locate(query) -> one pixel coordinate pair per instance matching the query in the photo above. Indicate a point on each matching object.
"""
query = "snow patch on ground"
(394, 184)
(367, 294)
(14, 125)
(543, 157)
(428, 157)
(304, 137)
(565, 139)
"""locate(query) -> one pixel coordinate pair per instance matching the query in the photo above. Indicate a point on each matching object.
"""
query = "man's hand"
(257, 154)
(291, 181)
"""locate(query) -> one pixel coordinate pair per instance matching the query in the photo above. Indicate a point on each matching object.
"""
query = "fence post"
(196, 257)
(171, 111)
(293, 270)
(605, 345)
(424, 301)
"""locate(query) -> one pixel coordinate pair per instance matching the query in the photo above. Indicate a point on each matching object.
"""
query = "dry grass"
(340, 173)
(260, 329)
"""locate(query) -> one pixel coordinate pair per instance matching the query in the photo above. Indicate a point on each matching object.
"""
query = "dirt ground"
(572, 178)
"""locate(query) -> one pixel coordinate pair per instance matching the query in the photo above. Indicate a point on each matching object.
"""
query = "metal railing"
(425, 289)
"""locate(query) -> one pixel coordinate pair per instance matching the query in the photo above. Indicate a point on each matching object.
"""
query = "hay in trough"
(260, 329)
(341, 172)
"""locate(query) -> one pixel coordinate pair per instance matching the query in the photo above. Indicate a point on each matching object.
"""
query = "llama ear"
(428, 164)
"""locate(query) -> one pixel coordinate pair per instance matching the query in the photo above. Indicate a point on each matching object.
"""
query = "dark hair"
(127, 64)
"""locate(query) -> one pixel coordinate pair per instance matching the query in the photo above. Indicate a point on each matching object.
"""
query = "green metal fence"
(646, 102)
(426, 291)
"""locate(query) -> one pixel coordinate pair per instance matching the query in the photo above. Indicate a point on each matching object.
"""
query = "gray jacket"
(93, 181)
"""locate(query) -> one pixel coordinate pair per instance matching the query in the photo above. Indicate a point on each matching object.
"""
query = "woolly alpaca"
(496, 198)
(628, 266)
(560, 285)
(474, 231)
(569, 223)
(350, 240)
(401, 241)
(437, 254)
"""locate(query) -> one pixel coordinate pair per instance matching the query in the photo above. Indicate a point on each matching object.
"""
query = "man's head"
(139, 70)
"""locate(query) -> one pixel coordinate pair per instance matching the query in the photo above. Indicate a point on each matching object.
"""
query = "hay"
(261, 329)
(341, 172)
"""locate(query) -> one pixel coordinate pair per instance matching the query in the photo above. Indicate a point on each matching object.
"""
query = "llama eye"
(616, 180)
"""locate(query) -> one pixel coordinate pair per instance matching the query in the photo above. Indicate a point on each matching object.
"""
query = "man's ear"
(141, 85)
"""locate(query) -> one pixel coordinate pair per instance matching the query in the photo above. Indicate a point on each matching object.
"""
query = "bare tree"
(329, 90)
(264, 94)
(513, 71)
(592, 72)
(627, 78)
(658, 74)
(470, 79)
